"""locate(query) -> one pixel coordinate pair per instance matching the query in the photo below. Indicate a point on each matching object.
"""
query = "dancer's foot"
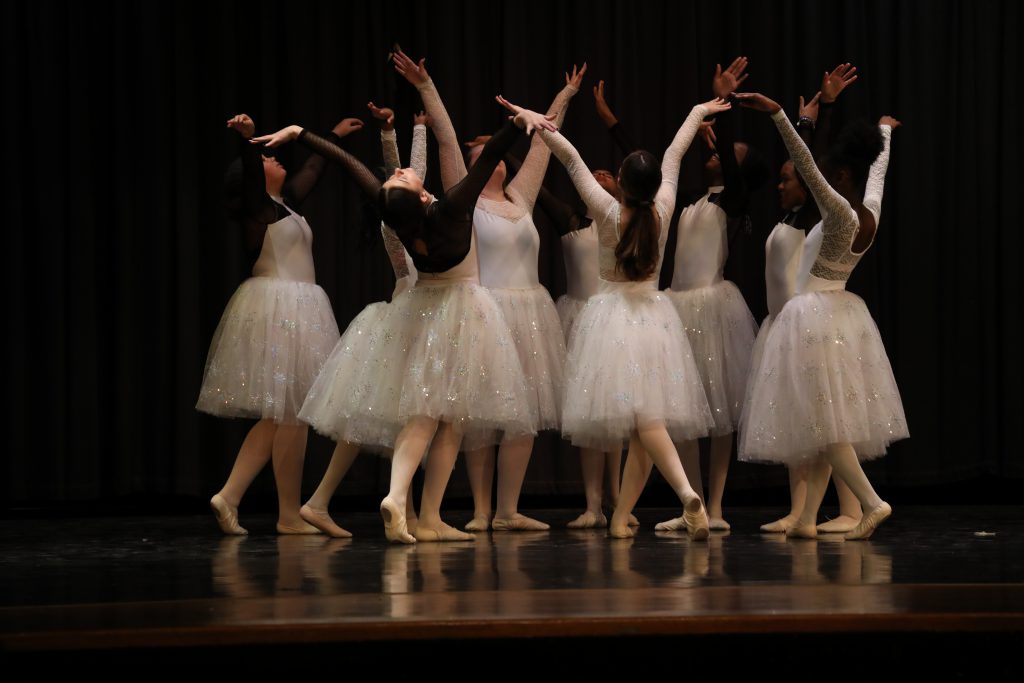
(779, 526)
(840, 525)
(589, 520)
(227, 516)
(478, 523)
(395, 528)
(412, 523)
(804, 531)
(441, 533)
(322, 521)
(674, 524)
(696, 519)
(718, 524)
(299, 528)
(871, 521)
(518, 522)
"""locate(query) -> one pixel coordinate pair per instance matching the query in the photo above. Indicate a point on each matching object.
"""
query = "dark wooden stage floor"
(97, 584)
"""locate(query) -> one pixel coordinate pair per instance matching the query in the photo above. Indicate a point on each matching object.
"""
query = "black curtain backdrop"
(122, 260)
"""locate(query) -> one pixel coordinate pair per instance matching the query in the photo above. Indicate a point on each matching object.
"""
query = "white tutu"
(269, 346)
(629, 363)
(721, 332)
(824, 378)
(569, 309)
(756, 354)
(440, 350)
(531, 317)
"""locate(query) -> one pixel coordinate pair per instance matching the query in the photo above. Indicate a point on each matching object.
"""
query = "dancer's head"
(792, 191)
(639, 178)
(606, 180)
(847, 162)
(274, 173)
(403, 202)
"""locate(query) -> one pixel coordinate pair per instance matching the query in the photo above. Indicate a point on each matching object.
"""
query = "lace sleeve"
(368, 183)
(876, 177)
(665, 199)
(418, 155)
(600, 205)
(389, 148)
(453, 166)
(524, 187)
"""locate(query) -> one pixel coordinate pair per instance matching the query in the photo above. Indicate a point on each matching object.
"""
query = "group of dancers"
(472, 354)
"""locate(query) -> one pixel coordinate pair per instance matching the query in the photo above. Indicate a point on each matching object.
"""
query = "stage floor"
(156, 582)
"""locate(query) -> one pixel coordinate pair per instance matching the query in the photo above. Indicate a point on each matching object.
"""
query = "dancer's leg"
(315, 510)
(721, 454)
(440, 461)
(252, 457)
(592, 463)
(797, 497)
(634, 477)
(410, 445)
(480, 468)
(513, 459)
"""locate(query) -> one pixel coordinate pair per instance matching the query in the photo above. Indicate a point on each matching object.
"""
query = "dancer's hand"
(836, 82)
(415, 73)
(422, 119)
(345, 127)
(725, 82)
(810, 109)
(576, 80)
(243, 125)
(707, 133)
(603, 110)
(757, 102)
(716, 105)
(528, 120)
(889, 121)
(277, 139)
(385, 115)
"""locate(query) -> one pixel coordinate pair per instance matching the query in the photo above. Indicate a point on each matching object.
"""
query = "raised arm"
(665, 199)
(524, 187)
(453, 166)
(418, 155)
(462, 198)
(876, 174)
(564, 216)
(615, 128)
(600, 204)
(733, 199)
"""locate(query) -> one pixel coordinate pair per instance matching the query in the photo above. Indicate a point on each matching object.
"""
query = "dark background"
(121, 260)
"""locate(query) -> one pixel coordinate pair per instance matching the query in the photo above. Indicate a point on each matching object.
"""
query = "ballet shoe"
(696, 519)
(478, 523)
(621, 531)
(322, 521)
(779, 526)
(395, 528)
(227, 516)
(871, 521)
(633, 521)
(589, 520)
(840, 525)
(676, 524)
(518, 522)
(807, 532)
(303, 530)
(442, 535)
(718, 524)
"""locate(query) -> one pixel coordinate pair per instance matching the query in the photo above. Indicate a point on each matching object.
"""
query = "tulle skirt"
(537, 332)
(569, 309)
(721, 332)
(269, 347)
(630, 363)
(440, 350)
(823, 378)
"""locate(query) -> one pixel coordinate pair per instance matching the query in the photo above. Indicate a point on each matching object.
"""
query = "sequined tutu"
(269, 346)
(721, 332)
(629, 363)
(537, 331)
(569, 309)
(440, 350)
(756, 354)
(824, 377)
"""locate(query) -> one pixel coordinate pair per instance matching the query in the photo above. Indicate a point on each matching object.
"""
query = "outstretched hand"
(725, 82)
(385, 115)
(837, 81)
(415, 73)
(603, 110)
(346, 127)
(243, 125)
(282, 136)
(889, 121)
(810, 109)
(528, 120)
(707, 133)
(717, 105)
(757, 102)
(422, 119)
(576, 80)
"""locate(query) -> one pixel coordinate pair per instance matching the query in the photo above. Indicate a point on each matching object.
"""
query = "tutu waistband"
(606, 286)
